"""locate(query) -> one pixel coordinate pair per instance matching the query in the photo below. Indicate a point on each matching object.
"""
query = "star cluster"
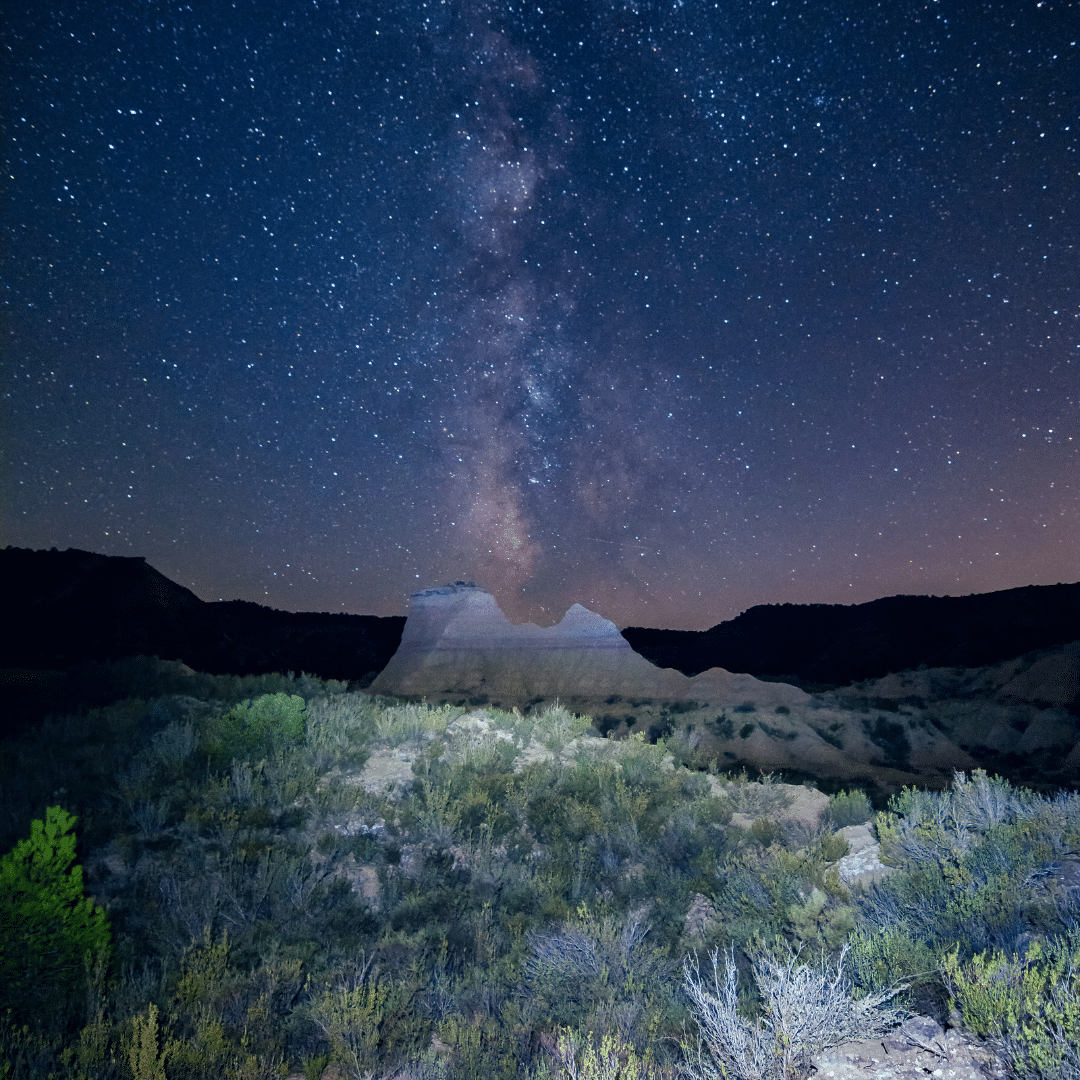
(664, 308)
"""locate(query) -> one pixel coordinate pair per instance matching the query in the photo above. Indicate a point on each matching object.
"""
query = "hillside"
(837, 644)
(302, 880)
(68, 607)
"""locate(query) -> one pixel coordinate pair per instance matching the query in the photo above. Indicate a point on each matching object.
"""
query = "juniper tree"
(49, 928)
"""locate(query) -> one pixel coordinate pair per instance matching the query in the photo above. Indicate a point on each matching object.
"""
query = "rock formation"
(458, 645)
(918, 1049)
(1018, 716)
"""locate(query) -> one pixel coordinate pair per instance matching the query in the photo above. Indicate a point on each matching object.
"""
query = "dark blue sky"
(667, 309)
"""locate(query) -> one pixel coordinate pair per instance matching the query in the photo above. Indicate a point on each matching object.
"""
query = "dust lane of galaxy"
(667, 309)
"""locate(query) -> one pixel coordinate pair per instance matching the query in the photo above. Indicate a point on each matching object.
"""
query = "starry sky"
(665, 308)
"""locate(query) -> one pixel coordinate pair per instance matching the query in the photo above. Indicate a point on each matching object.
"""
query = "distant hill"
(67, 607)
(999, 685)
(836, 644)
(64, 608)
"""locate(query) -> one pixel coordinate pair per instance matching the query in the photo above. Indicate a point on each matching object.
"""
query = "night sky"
(667, 308)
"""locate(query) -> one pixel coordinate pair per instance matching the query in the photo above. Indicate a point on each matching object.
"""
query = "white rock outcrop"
(458, 643)
(914, 1051)
(862, 864)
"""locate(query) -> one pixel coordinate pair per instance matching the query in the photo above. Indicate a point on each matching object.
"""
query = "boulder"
(914, 1051)
(701, 918)
(862, 864)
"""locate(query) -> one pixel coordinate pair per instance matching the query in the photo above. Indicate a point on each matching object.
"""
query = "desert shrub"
(696, 786)
(766, 893)
(228, 1015)
(809, 910)
(46, 1049)
(26, 1054)
(479, 790)
(891, 738)
(484, 1045)
(660, 731)
(721, 726)
(607, 723)
(591, 969)
(49, 928)
(941, 911)
(173, 745)
(556, 726)
(777, 733)
(942, 826)
(832, 847)
(641, 762)
(1028, 1006)
(970, 865)
(848, 808)
(339, 728)
(397, 722)
(145, 1049)
(764, 831)
(603, 1058)
(970, 860)
(830, 734)
(880, 957)
(207, 978)
(761, 796)
(487, 755)
(368, 1023)
(817, 922)
(804, 1010)
(257, 727)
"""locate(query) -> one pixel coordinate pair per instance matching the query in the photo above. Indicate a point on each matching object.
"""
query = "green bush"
(483, 1046)
(606, 1058)
(832, 847)
(848, 808)
(1027, 1006)
(881, 957)
(145, 1055)
(258, 727)
(49, 929)
(969, 863)
(942, 826)
(368, 1024)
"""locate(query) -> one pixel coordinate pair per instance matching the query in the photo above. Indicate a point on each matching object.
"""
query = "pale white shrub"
(806, 1009)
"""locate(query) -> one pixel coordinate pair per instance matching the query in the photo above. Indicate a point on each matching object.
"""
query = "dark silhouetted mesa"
(837, 644)
(64, 608)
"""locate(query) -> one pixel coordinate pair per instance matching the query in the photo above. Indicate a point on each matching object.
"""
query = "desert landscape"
(899, 691)
(540, 541)
(526, 852)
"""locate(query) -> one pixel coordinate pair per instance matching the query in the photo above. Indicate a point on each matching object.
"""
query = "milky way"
(667, 309)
